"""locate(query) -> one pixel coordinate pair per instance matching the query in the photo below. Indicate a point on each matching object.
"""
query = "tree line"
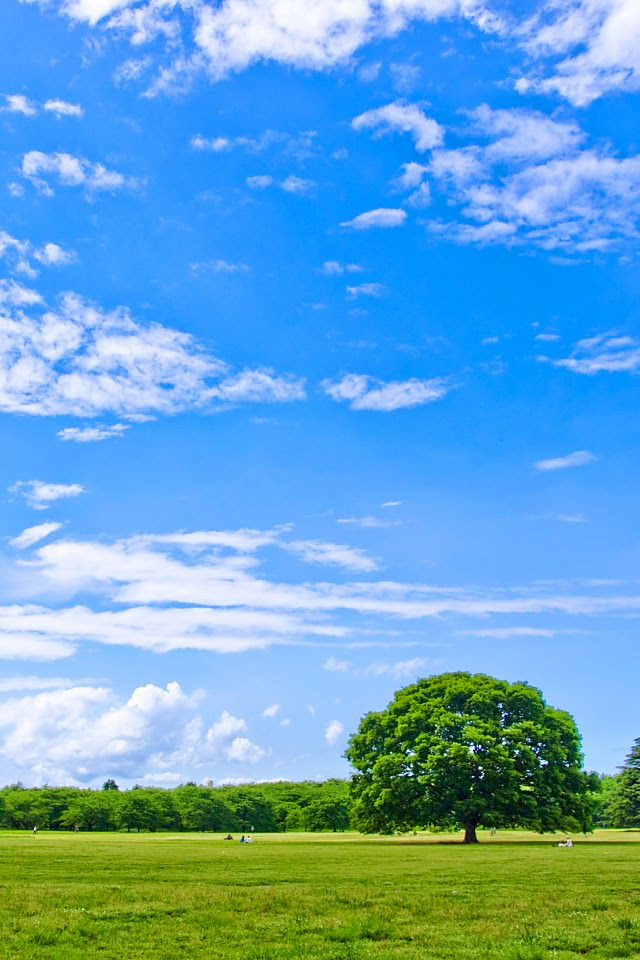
(265, 807)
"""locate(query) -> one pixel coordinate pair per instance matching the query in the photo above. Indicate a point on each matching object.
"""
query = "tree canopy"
(461, 750)
(624, 802)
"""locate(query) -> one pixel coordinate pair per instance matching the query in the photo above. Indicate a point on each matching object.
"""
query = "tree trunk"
(470, 832)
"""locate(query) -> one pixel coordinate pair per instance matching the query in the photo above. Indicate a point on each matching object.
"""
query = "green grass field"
(514, 897)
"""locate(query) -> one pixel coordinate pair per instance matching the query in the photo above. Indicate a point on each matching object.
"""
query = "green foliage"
(267, 807)
(624, 798)
(463, 750)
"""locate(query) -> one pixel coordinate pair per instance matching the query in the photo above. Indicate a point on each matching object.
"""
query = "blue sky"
(318, 356)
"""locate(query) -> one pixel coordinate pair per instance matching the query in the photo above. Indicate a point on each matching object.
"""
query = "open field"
(73, 896)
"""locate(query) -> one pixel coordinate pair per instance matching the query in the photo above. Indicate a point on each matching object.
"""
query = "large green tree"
(624, 802)
(461, 750)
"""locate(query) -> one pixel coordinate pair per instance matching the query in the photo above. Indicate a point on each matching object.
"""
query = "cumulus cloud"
(71, 171)
(18, 103)
(579, 458)
(79, 360)
(34, 534)
(40, 495)
(271, 711)
(584, 49)
(62, 108)
(20, 254)
(362, 392)
(382, 217)
(78, 733)
(536, 182)
(333, 732)
(402, 117)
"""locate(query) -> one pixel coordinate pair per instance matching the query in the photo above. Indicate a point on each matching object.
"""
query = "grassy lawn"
(514, 897)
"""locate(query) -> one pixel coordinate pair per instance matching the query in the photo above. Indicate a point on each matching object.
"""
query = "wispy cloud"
(18, 103)
(401, 669)
(362, 392)
(605, 353)
(368, 521)
(93, 434)
(333, 554)
(336, 666)
(380, 218)
(333, 268)
(41, 495)
(290, 184)
(34, 534)
(367, 290)
(271, 711)
(579, 458)
(220, 266)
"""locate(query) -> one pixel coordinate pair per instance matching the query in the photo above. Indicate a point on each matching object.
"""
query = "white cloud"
(81, 361)
(204, 590)
(71, 171)
(290, 184)
(92, 434)
(382, 217)
(220, 266)
(333, 268)
(367, 290)
(242, 750)
(260, 182)
(333, 732)
(536, 183)
(34, 534)
(271, 711)
(366, 393)
(401, 669)
(368, 522)
(607, 352)
(51, 255)
(76, 733)
(336, 666)
(18, 255)
(402, 117)
(18, 103)
(598, 42)
(579, 458)
(61, 108)
(392, 503)
(293, 184)
(40, 495)
(509, 633)
(333, 554)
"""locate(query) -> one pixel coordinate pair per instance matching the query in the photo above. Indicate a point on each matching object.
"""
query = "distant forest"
(263, 807)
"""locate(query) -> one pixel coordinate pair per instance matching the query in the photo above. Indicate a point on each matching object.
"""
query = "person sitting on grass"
(567, 843)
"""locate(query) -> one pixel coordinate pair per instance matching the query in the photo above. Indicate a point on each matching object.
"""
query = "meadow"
(338, 897)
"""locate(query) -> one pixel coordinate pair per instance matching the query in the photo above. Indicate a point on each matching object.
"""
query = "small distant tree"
(463, 750)
(624, 802)
(110, 785)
